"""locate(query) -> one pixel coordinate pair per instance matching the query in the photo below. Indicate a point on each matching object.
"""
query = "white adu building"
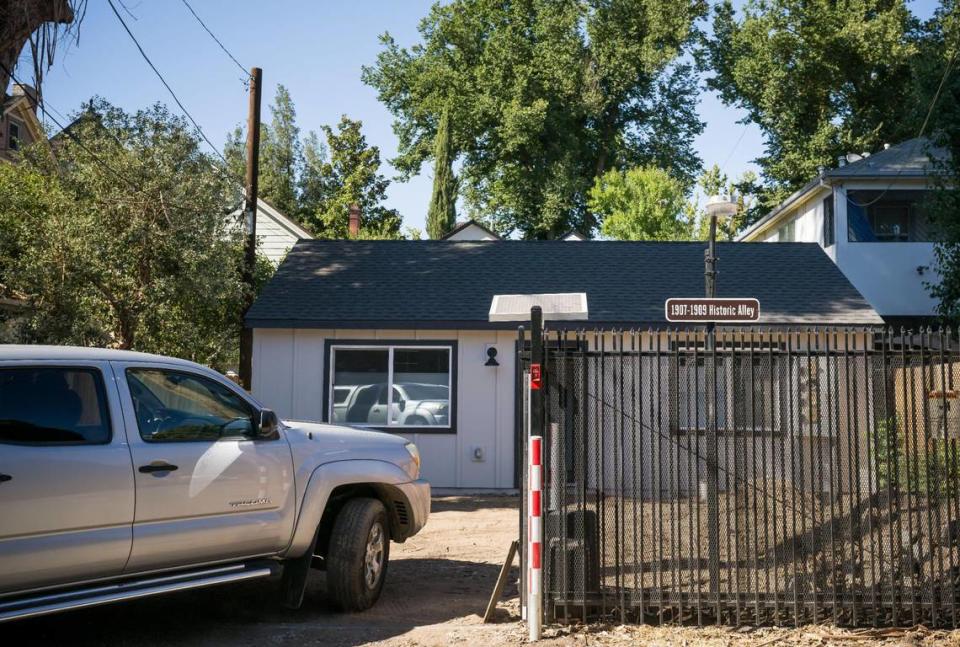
(869, 217)
(394, 335)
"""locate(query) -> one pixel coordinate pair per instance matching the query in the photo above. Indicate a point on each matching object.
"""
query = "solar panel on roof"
(565, 306)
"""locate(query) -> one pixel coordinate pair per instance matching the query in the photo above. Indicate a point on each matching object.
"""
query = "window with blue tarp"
(886, 216)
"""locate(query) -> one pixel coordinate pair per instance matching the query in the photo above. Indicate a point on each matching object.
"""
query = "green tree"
(312, 183)
(641, 203)
(714, 182)
(351, 175)
(142, 258)
(544, 97)
(442, 214)
(314, 180)
(281, 155)
(820, 78)
(941, 51)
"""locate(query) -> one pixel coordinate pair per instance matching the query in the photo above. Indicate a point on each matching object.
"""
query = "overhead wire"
(173, 94)
(98, 160)
(246, 73)
(923, 128)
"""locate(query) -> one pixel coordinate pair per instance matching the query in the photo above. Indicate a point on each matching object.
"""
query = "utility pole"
(250, 222)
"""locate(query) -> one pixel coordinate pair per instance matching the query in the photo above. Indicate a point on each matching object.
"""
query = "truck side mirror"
(269, 425)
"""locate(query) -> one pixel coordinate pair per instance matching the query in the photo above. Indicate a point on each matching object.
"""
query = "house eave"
(780, 323)
(796, 199)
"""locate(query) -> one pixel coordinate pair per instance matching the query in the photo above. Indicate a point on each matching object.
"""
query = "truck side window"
(53, 405)
(174, 406)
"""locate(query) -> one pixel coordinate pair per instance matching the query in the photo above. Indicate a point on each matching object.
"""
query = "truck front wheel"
(358, 555)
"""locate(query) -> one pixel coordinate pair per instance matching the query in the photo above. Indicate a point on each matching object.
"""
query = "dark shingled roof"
(447, 284)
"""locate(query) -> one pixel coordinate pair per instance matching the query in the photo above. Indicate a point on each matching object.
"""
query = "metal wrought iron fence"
(824, 487)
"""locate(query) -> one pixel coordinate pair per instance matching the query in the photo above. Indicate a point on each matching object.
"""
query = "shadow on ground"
(418, 592)
(473, 503)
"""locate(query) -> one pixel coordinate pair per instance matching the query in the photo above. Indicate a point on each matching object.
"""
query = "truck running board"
(43, 604)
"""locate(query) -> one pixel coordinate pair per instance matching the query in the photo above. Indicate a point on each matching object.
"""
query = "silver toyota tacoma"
(124, 475)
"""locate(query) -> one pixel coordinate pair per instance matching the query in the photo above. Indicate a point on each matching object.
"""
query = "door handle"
(5, 477)
(157, 467)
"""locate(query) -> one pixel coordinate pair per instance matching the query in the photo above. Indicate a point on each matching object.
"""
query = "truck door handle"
(157, 467)
(5, 477)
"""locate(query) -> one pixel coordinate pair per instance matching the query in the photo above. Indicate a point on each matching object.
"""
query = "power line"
(246, 74)
(67, 132)
(933, 103)
(736, 144)
(936, 96)
(167, 85)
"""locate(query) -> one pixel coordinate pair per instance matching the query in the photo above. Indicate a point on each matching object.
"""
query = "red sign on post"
(535, 377)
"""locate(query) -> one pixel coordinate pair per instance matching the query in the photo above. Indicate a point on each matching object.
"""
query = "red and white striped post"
(535, 539)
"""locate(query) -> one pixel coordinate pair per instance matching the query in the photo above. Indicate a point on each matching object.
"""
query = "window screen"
(53, 405)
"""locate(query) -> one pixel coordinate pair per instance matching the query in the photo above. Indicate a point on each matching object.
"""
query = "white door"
(208, 489)
(66, 482)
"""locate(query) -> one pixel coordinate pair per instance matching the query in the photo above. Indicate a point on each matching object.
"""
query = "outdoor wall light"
(492, 357)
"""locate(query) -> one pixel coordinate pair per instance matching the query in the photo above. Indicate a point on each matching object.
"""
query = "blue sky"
(315, 48)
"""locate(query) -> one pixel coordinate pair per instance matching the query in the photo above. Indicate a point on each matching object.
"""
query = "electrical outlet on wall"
(478, 454)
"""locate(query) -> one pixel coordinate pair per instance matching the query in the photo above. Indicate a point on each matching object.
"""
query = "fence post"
(535, 483)
(713, 504)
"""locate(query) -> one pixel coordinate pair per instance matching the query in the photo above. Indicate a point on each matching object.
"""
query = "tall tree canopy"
(281, 154)
(351, 175)
(642, 203)
(821, 78)
(442, 213)
(142, 256)
(940, 55)
(544, 97)
(297, 177)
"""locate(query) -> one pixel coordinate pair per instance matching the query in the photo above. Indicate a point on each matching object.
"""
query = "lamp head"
(721, 206)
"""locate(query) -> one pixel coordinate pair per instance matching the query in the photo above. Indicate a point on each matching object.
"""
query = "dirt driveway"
(437, 587)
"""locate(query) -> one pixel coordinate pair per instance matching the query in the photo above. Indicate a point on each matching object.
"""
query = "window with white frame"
(396, 386)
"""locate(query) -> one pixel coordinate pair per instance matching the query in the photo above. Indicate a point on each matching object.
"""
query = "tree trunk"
(19, 19)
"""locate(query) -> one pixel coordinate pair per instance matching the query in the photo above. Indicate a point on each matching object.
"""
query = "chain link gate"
(837, 473)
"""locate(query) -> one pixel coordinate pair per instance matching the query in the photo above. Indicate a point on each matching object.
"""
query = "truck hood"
(314, 444)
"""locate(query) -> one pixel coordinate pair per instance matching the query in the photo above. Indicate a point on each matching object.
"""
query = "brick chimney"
(354, 220)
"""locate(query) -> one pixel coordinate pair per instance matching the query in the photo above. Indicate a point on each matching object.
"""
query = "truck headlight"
(415, 455)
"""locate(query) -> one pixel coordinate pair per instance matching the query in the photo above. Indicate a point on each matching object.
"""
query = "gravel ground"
(437, 588)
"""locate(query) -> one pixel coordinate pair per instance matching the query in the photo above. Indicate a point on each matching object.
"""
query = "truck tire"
(358, 554)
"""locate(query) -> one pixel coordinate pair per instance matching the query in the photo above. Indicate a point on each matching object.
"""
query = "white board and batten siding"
(288, 376)
(276, 234)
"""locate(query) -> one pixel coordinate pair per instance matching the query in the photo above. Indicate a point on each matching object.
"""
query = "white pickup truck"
(124, 475)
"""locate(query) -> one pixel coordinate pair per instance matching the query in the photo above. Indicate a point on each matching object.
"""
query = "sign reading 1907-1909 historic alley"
(712, 310)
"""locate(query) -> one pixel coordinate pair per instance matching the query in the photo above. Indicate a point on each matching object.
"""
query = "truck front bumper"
(417, 494)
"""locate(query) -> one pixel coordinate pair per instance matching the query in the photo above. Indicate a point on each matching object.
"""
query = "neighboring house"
(869, 216)
(470, 230)
(395, 335)
(19, 125)
(276, 233)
